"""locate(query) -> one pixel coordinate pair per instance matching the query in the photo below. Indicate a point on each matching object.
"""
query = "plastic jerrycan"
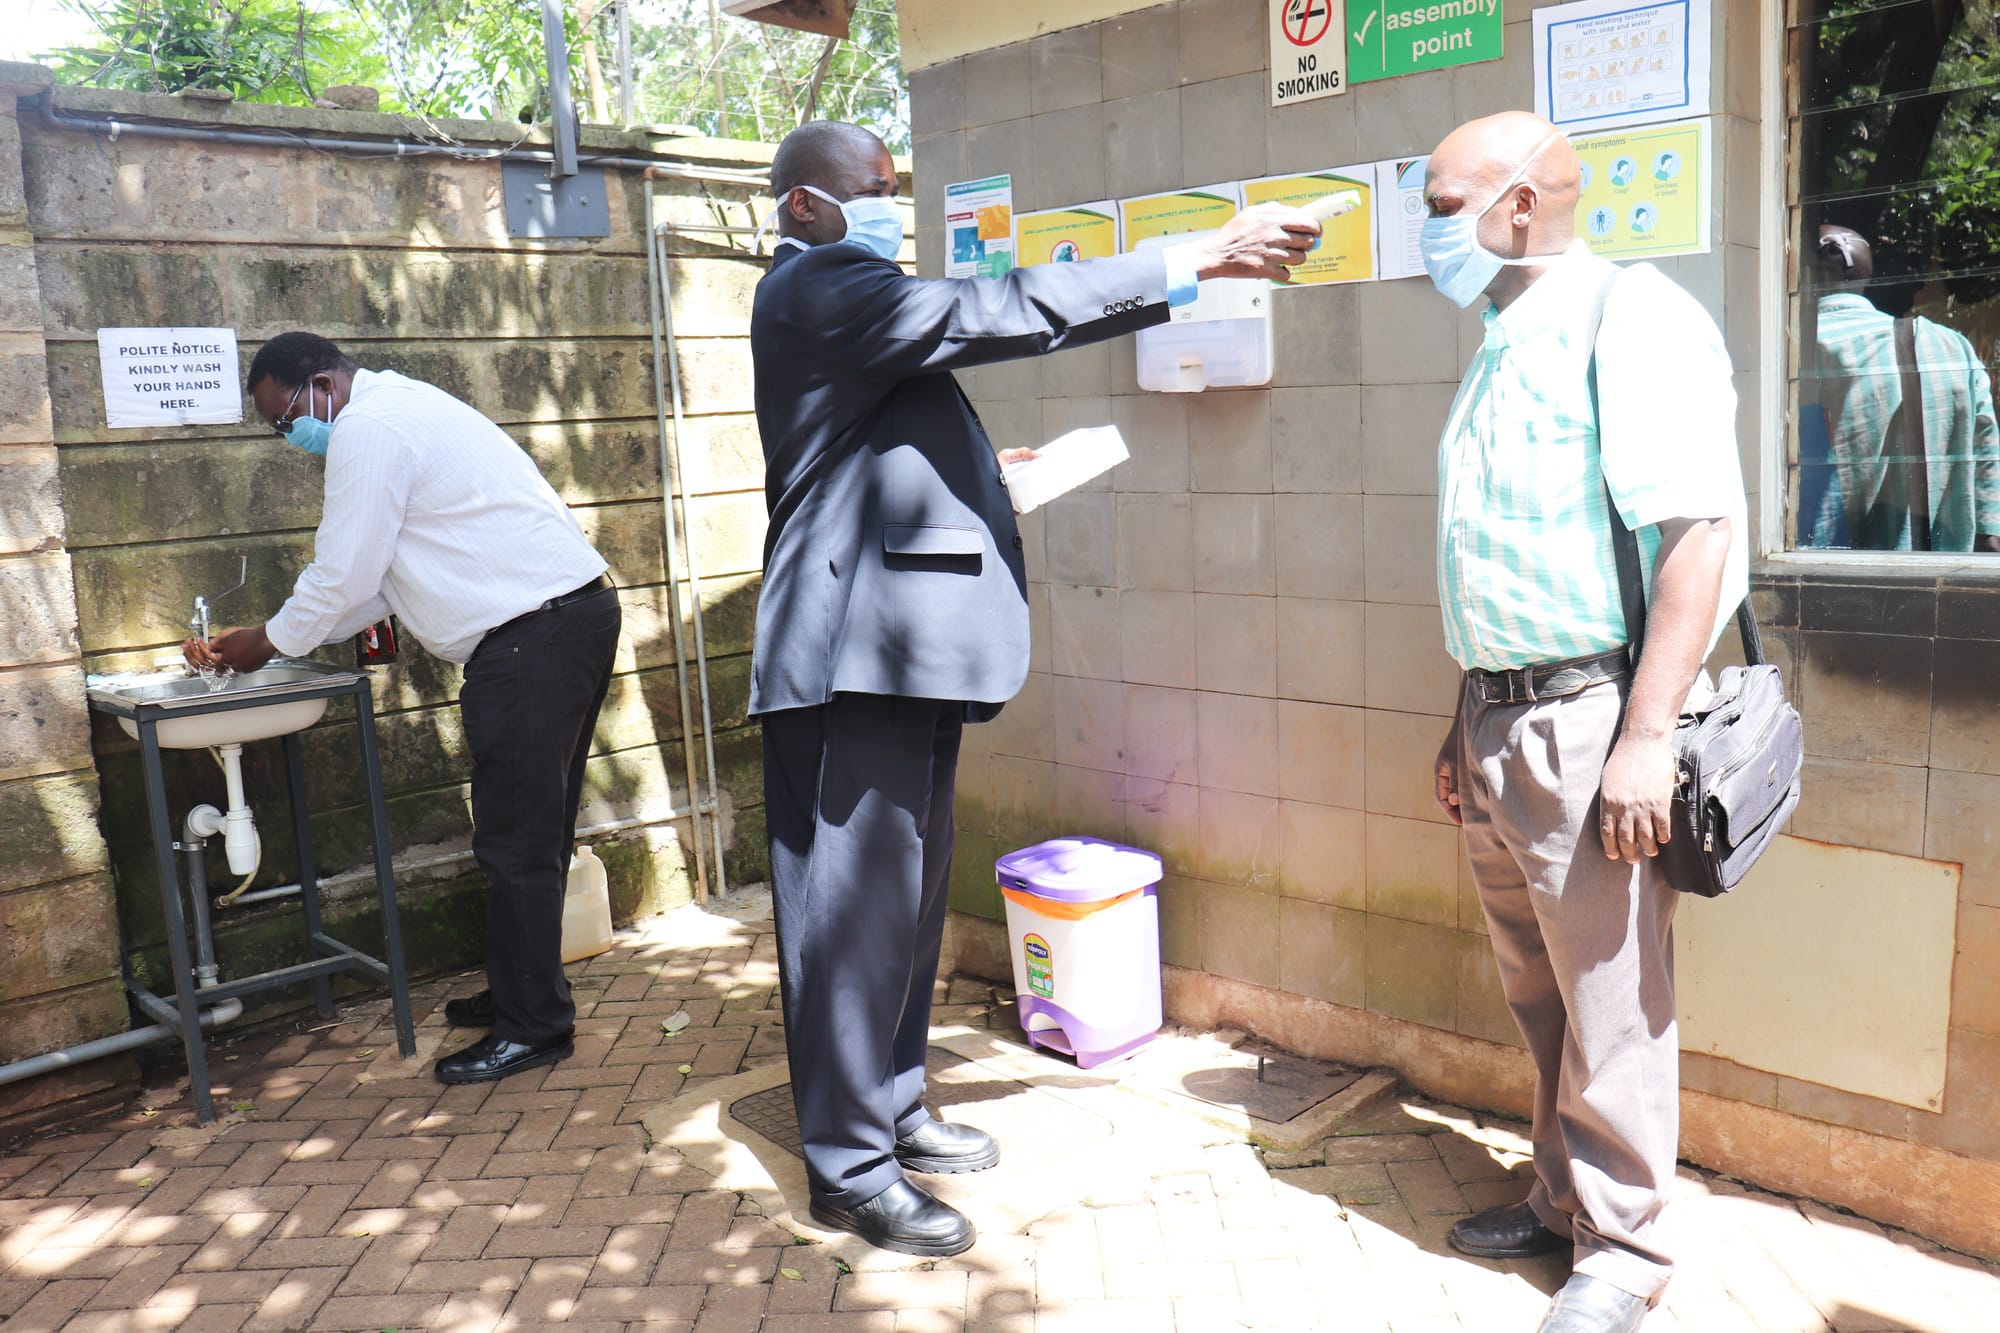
(586, 928)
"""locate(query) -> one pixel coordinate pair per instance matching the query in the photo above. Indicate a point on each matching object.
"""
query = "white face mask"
(1460, 266)
(874, 222)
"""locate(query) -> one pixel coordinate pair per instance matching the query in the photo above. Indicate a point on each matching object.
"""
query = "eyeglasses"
(283, 425)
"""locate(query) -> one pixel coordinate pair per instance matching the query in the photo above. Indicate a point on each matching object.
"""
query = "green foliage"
(1905, 104)
(770, 79)
(693, 66)
(264, 50)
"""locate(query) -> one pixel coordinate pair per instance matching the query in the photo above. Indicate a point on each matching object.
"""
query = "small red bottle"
(376, 645)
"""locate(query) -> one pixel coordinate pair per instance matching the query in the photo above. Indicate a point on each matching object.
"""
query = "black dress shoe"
(494, 1057)
(940, 1149)
(1592, 1305)
(470, 1011)
(1508, 1232)
(905, 1218)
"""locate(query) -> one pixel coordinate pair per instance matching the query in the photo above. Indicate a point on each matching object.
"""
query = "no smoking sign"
(1308, 50)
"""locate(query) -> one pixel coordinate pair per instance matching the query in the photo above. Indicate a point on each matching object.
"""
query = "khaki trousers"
(1585, 951)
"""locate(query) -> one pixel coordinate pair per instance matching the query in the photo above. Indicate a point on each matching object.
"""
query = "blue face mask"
(309, 432)
(1461, 267)
(874, 223)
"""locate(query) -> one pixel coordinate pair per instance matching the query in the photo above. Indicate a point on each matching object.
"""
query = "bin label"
(1041, 966)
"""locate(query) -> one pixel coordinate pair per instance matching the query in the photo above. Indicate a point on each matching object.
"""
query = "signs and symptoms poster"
(1177, 212)
(1600, 63)
(1399, 213)
(169, 377)
(1065, 235)
(979, 228)
(1386, 38)
(1645, 191)
(1346, 248)
(1308, 50)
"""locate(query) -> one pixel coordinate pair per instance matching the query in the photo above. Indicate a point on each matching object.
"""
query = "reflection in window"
(1895, 210)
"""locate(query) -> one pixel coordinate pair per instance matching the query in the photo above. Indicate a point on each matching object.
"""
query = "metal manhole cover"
(1268, 1083)
(771, 1114)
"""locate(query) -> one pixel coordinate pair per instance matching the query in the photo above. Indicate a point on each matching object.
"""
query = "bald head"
(1843, 255)
(1519, 174)
(843, 160)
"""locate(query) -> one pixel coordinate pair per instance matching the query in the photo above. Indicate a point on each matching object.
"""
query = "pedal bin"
(1083, 918)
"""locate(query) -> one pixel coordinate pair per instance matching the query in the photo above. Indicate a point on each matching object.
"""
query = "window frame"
(1774, 554)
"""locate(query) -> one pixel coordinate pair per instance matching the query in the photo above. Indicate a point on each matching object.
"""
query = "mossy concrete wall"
(109, 534)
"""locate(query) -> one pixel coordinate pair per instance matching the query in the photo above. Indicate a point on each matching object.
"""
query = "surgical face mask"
(873, 222)
(307, 431)
(1461, 267)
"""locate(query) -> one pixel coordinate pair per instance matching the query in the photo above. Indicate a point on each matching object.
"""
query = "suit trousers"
(1585, 952)
(859, 794)
(530, 701)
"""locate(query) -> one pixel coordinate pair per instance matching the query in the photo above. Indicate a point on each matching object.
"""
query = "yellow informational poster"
(1065, 235)
(1177, 212)
(1645, 191)
(1346, 248)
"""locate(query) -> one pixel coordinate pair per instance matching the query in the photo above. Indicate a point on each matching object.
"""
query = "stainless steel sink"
(164, 694)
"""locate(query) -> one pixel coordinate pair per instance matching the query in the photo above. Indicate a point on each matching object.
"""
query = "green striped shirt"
(1860, 387)
(1525, 571)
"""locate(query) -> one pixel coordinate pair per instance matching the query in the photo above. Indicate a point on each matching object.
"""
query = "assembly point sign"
(1386, 38)
(1308, 51)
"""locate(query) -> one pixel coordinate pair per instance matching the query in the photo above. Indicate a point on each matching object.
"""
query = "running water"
(215, 677)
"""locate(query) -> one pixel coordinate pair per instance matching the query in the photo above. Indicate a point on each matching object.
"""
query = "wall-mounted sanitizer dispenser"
(1219, 340)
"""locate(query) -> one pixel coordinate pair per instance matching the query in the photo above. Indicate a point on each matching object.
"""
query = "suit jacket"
(892, 564)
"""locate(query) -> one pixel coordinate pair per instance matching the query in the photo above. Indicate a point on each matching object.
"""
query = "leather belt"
(1550, 680)
(602, 583)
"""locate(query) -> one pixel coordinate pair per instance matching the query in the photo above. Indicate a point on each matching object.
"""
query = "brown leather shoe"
(1511, 1231)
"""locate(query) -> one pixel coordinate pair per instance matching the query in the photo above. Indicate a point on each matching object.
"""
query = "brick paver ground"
(347, 1190)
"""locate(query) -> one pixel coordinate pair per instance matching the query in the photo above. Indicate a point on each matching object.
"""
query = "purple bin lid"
(1078, 870)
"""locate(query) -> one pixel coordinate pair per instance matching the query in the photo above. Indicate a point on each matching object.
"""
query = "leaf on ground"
(792, 1273)
(246, 1106)
(687, 1069)
(367, 1052)
(675, 1022)
(146, 1183)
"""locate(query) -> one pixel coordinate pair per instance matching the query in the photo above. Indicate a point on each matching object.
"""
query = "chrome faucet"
(199, 624)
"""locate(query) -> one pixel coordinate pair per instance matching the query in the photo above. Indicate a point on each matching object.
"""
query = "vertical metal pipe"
(693, 562)
(562, 107)
(655, 275)
(193, 852)
(295, 779)
(170, 902)
(385, 871)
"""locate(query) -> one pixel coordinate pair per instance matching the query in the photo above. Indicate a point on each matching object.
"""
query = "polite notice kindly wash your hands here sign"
(169, 377)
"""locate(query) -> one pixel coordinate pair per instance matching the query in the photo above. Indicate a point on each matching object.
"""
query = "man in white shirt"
(433, 513)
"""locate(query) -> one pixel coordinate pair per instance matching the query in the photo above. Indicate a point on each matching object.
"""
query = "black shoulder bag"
(1737, 756)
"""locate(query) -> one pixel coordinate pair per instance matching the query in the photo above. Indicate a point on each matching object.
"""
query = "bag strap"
(1624, 544)
(1907, 428)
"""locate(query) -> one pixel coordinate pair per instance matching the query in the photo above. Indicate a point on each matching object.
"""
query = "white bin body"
(1089, 987)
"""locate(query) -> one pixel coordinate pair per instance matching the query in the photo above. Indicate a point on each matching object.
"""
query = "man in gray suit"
(894, 610)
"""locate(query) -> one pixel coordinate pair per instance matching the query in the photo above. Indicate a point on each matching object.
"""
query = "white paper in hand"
(1062, 465)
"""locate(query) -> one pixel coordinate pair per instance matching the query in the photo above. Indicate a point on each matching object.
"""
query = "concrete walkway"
(347, 1190)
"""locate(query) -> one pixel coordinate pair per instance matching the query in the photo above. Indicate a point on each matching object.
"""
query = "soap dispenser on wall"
(1221, 339)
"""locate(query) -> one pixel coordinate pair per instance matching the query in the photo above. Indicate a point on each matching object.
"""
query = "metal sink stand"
(330, 956)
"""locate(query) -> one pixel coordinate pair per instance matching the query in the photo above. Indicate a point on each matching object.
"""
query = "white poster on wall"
(1399, 217)
(169, 377)
(1600, 64)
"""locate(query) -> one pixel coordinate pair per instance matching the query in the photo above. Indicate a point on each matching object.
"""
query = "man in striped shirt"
(1560, 763)
(1872, 491)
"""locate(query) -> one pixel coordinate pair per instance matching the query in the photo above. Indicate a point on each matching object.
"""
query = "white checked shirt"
(434, 513)
(1525, 569)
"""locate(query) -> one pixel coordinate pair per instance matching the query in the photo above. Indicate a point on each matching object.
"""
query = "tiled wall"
(1238, 658)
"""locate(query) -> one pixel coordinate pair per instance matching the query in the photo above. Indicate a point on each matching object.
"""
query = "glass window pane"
(1895, 300)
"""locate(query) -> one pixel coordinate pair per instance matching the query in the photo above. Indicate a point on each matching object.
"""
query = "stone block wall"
(1239, 661)
(59, 981)
(406, 263)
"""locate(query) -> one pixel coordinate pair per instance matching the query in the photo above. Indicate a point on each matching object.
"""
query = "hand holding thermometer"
(1332, 205)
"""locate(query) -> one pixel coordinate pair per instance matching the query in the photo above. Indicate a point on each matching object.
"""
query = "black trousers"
(530, 701)
(859, 796)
